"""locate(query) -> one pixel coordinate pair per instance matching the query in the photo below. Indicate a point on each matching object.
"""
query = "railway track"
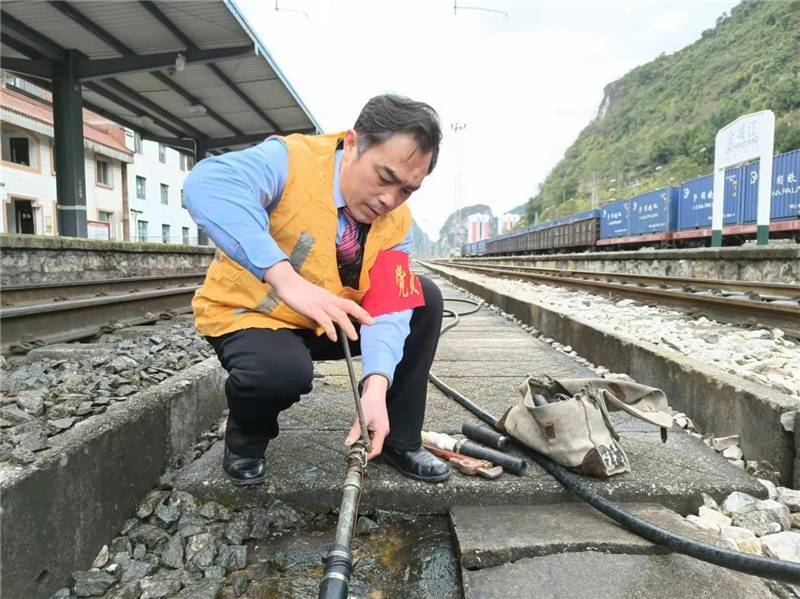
(768, 304)
(37, 315)
(53, 292)
(725, 286)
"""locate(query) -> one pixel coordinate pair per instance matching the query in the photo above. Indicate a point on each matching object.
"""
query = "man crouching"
(312, 230)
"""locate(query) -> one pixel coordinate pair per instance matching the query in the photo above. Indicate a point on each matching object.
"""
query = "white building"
(155, 192)
(27, 168)
(115, 158)
(506, 222)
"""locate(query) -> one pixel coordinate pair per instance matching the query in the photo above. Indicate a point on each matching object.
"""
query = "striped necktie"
(348, 247)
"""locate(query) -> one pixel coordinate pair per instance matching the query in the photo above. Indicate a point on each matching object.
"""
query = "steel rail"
(56, 322)
(785, 314)
(14, 295)
(784, 290)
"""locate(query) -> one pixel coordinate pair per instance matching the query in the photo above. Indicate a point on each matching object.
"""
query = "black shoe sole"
(244, 482)
(425, 479)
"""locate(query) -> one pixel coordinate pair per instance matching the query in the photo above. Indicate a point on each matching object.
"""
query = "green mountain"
(656, 125)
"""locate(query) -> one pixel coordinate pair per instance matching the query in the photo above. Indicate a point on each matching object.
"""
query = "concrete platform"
(495, 535)
(592, 575)
(717, 401)
(306, 462)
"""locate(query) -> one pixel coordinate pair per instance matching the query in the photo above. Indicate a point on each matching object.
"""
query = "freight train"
(678, 216)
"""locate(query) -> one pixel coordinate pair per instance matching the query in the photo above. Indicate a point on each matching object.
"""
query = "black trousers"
(268, 371)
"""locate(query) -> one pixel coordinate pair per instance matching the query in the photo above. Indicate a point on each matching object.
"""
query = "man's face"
(382, 177)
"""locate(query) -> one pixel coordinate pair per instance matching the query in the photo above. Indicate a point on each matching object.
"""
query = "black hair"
(389, 114)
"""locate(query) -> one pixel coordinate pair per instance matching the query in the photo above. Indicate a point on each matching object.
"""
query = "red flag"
(393, 287)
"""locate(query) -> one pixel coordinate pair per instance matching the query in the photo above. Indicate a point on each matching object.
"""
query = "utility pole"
(458, 158)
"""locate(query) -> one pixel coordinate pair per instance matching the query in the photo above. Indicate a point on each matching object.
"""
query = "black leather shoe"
(419, 464)
(244, 471)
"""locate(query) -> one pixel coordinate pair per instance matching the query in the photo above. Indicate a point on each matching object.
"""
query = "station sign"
(748, 137)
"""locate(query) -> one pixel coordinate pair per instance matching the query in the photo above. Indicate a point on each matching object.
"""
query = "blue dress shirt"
(232, 195)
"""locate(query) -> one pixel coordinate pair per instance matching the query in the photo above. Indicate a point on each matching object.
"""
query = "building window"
(27, 88)
(162, 153)
(165, 194)
(142, 230)
(141, 188)
(104, 216)
(185, 235)
(137, 142)
(165, 233)
(187, 162)
(19, 148)
(103, 172)
(19, 151)
(183, 202)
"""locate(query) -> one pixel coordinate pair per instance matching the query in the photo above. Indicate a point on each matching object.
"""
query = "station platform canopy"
(191, 74)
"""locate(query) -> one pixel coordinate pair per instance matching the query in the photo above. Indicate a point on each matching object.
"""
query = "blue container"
(585, 215)
(696, 198)
(748, 191)
(785, 203)
(735, 188)
(655, 211)
(694, 203)
(786, 186)
(615, 219)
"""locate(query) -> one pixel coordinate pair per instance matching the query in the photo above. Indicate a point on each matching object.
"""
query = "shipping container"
(748, 192)
(695, 202)
(786, 186)
(615, 219)
(696, 198)
(655, 211)
(735, 184)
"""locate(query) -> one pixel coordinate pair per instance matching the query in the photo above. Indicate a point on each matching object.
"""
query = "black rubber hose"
(485, 435)
(742, 562)
(510, 463)
(338, 568)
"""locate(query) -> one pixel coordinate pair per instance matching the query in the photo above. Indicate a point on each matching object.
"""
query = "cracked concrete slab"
(306, 469)
(488, 536)
(589, 575)
(306, 462)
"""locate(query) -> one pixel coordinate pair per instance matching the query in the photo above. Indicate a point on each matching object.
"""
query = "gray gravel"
(43, 396)
(176, 547)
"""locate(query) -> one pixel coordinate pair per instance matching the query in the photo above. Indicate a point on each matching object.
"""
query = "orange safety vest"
(304, 226)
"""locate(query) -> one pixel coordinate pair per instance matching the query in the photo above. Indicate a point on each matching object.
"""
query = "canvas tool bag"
(577, 432)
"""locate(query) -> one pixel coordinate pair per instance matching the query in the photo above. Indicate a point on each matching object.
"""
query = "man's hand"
(373, 404)
(314, 302)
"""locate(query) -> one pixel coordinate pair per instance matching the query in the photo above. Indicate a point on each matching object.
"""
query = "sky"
(512, 90)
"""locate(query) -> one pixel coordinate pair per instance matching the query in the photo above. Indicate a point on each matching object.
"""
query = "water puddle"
(408, 558)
